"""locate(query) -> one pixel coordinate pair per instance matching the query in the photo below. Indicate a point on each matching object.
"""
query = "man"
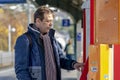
(42, 60)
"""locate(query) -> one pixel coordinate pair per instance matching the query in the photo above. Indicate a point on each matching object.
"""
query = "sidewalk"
(69, 75)
(9, 74)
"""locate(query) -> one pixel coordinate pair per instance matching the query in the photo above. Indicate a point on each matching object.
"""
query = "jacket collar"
(36, 32)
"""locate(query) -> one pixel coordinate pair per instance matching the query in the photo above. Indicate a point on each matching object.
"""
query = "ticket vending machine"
(104, 47)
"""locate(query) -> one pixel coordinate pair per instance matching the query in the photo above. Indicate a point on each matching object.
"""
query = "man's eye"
(47, 21)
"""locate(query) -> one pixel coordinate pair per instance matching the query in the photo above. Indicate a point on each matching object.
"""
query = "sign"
(66, 22)
(78, 36)
(12, 1)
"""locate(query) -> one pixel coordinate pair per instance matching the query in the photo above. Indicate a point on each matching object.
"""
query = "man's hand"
(79, 66)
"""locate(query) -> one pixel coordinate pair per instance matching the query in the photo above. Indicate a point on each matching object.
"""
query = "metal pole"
(28, 11)
(75, 47)
(9, 38)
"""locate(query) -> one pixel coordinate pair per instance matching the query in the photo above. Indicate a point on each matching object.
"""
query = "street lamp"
(9, 36)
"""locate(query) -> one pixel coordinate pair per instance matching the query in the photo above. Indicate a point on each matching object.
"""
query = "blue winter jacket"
(30, 60)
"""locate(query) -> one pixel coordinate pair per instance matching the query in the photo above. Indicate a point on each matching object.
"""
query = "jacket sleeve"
(64, 61)
(22, 58)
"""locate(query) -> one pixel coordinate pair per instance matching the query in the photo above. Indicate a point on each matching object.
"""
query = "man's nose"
(50, 24)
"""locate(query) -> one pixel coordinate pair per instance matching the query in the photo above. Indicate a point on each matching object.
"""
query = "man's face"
(46, 23)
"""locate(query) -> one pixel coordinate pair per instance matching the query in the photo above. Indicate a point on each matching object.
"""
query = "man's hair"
(39, 13)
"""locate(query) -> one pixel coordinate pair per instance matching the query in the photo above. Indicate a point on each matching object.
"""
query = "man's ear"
(38, 20)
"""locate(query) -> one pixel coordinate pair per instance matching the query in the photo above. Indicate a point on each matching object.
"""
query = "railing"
(6, 59)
